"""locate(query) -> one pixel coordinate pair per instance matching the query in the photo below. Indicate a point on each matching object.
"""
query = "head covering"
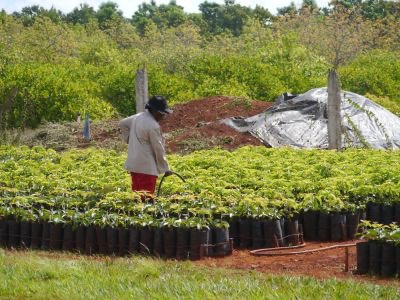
(158, 103)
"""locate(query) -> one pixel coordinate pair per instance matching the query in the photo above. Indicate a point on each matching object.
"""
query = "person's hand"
(168, 173)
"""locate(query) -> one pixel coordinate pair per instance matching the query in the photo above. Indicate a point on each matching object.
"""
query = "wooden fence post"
(142, 89)
(334, 118)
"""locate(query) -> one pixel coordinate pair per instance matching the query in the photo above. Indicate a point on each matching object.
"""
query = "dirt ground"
(322, 265)
(196, 125)
(192, 126)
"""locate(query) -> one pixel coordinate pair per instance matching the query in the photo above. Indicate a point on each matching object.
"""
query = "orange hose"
(272, 251)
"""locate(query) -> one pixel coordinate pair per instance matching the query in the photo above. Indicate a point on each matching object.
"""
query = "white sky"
(130, 6)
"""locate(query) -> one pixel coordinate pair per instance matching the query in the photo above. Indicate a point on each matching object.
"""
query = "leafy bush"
(61, 69)
(392, 106)
(52, 93)
(377, 73)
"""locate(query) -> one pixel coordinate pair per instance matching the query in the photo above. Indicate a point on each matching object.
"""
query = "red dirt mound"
(196, 125)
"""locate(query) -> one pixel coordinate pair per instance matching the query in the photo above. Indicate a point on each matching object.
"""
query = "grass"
(40, 275)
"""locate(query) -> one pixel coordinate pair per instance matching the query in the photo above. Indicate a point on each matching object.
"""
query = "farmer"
(146, 146)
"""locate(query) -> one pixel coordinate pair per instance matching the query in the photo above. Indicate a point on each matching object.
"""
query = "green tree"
(81, 15)
(164, 16)
(107, 11)
(29, 14)
(372, 9)
(262, 14)
(309, 4)
(211, 14)
(287, 10)
(228, 17)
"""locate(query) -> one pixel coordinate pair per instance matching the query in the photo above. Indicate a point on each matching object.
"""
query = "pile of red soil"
(196, 125)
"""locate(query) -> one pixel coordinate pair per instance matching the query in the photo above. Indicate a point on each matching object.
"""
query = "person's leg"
(143, 183)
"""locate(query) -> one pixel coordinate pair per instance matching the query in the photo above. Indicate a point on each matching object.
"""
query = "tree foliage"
(54, 66)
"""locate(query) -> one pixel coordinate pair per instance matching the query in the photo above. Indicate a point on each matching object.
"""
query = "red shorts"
(143, 182)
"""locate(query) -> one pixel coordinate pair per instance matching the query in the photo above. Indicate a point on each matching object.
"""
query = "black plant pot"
(158, 242)
(146, 240)
(375, 255)
(3, 233)
(123, 238)
(182, 243)
(45, 243)
(362, 257)
(257, 234)
(374, 212)
(387, 214)
(169, 242)
(269, 240)
(279, 232)
(245, 233)
(221, 240)
(310, 225)
(363, 215)
(388, 260)
(25, 234)
(91, 245)
(234, 231)
(293, 232)
(397, 213)
(197, 239)
(324, 227)
(284, 241)
(112, 240)
(134, 240)
(56, 236)
(397, 249)
(80, 238)
(211, 246)
(101, 235)
(36, 235)
(14, 233)
(338, 227)
(68, 243)
(352, 220)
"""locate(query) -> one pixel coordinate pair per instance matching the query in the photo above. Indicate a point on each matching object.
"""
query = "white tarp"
(302, 121)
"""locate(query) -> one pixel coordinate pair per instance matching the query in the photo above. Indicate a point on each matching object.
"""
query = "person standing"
(146, 146)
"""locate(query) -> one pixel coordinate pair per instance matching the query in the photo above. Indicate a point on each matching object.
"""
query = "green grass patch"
(56, 276)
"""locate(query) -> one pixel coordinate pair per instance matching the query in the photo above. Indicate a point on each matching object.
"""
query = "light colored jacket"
(146, 145)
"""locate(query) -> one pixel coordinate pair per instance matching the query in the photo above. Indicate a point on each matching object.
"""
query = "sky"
(128, 7)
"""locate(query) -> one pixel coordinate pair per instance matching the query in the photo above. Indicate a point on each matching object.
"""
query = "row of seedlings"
(379, 254)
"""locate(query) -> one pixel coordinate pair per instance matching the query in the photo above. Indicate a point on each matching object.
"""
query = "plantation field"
(41, 275)
(66, 216)
(90, 186)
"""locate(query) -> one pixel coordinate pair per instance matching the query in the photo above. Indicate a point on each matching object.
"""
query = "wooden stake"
(142, 89)
(334, 118)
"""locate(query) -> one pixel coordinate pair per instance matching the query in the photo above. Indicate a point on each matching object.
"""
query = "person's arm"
(156, 142)
(125, 126)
